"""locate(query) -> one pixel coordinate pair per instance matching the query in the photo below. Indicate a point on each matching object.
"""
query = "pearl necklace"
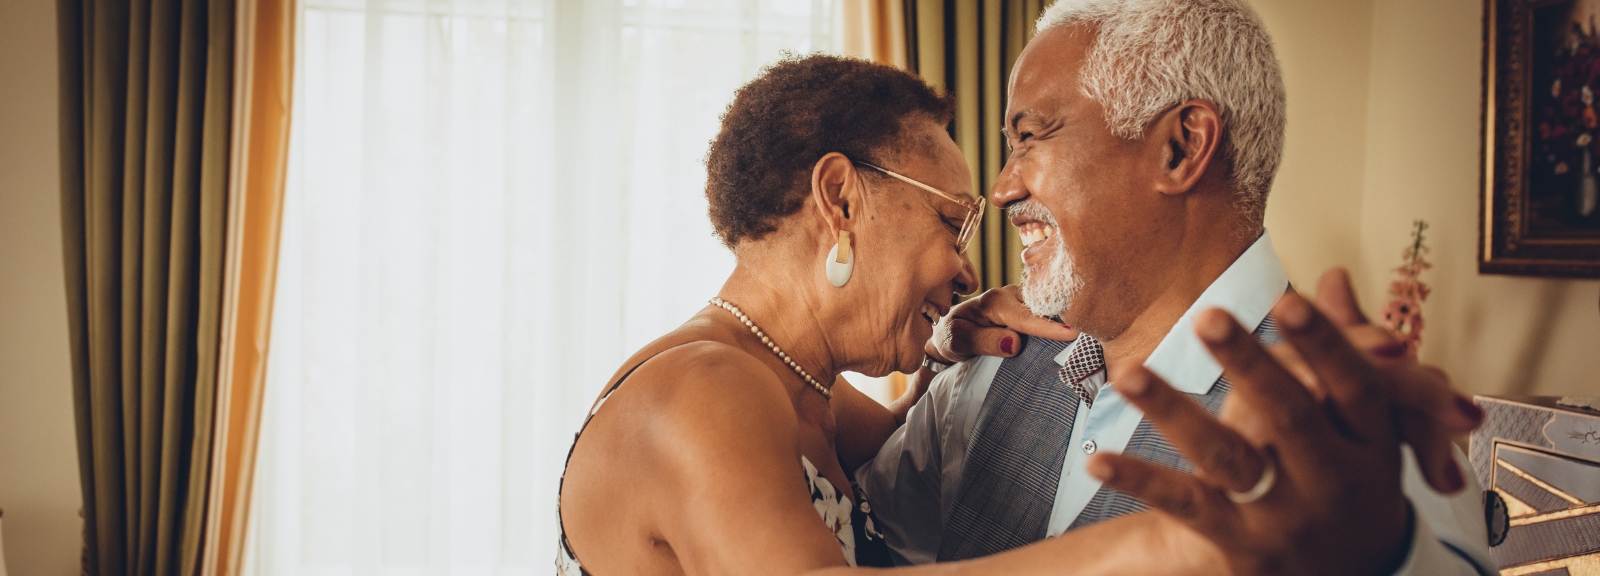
(826, 391)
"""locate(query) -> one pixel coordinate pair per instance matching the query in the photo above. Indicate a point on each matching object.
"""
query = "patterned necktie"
(1087, 359)
(1013, 464)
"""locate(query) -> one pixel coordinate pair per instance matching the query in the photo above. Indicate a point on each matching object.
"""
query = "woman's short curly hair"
(798, 110)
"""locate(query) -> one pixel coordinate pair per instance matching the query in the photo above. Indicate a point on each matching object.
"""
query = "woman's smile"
(932, 312)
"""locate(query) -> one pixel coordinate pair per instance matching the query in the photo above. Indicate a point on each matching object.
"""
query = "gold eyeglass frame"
(969, 226)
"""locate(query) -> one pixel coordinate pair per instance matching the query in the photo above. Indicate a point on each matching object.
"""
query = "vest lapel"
(1009, 478)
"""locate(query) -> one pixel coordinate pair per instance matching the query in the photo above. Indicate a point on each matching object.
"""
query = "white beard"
(1050, 292)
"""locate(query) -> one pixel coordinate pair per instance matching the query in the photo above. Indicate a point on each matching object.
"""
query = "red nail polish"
(1469, 409)
(1452, 477)
(1007, 345)
(1390, 350)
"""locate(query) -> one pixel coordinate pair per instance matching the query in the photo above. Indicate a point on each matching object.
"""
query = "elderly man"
(1145, 135)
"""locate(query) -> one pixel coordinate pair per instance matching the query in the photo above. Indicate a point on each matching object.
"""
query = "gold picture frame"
(1540, 197)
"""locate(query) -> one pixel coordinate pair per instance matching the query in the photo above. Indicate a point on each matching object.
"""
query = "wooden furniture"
(1539, 463)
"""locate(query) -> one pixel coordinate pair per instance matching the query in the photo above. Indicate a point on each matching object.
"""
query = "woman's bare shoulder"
(700, 391)
(710, 377)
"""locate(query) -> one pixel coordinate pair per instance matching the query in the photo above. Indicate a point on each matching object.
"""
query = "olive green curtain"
(966, 49)
(145, 114)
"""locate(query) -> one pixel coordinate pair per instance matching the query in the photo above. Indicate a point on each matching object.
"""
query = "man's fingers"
(1427, 390)
(1185, 497)
(1345, 373)
(1219, 452)
(1431, 415)
(1290, 360)
(1434, 451)
(1337, 299)
(1270, 392)
(1375, 340)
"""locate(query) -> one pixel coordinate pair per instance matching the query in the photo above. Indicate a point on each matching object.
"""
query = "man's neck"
(1200, 266)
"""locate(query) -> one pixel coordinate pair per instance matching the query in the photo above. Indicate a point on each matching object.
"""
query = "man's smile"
(1033, 233)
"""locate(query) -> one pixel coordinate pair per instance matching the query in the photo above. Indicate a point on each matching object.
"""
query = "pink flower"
(1403, 315)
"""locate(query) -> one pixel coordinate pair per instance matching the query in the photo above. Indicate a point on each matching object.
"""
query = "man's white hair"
(1151, 55)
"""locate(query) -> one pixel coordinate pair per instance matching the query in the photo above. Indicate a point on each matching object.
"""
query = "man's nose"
(1008, 187)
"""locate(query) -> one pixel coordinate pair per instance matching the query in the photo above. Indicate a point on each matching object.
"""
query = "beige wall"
(38, 462)
(1314, 211)
(1384, 98)
(1495, 334)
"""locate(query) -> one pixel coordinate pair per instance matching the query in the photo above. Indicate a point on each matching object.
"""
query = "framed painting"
(1540, 203)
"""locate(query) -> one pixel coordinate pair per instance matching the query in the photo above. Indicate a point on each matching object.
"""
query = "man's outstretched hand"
(1430, 412)
(1325, 418)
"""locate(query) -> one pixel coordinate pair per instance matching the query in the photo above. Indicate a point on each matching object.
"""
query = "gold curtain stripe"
(966, 49)
(264, 93)
(874, 30)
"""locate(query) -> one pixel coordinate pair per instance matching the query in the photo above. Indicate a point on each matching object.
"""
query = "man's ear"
(835, 191)
(1189, 135)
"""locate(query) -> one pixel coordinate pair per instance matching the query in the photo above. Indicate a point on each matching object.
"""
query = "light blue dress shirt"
(913, 480)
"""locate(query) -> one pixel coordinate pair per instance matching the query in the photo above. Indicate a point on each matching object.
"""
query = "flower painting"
(1541, 153)
(1564, 190)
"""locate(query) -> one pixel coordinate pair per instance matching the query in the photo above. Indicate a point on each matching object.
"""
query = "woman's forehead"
(939, 163)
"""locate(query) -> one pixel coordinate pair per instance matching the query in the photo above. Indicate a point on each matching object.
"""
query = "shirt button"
(1089, 447)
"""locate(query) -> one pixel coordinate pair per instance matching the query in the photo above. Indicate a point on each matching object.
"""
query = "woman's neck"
(793, 315)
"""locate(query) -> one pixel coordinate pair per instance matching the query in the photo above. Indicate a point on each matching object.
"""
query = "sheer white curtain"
(491, 204)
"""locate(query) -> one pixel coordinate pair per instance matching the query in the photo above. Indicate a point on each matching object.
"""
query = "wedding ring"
(1269, 477)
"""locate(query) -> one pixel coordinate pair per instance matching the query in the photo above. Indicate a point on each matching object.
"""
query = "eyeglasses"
(969, 226)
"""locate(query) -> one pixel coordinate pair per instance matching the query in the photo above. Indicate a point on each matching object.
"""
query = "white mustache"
(1032, 210)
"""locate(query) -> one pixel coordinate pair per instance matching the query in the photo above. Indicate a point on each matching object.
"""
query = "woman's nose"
(1007, 187)
(967, 281)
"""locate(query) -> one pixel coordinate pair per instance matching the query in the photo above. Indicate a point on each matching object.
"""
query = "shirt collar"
(1247, 290)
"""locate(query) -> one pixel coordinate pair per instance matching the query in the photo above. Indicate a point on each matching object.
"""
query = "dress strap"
(566, 547)
(609, 391)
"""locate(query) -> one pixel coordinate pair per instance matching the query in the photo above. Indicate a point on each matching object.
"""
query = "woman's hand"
(991, 324)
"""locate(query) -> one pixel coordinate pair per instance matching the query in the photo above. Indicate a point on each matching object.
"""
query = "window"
(491, 204)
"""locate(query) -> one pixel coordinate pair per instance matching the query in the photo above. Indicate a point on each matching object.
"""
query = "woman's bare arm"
(1143, 544)
(731, 497)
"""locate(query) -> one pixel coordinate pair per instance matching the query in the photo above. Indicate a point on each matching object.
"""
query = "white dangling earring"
(840, 261)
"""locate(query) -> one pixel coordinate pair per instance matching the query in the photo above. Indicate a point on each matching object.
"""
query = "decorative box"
(1539, 461)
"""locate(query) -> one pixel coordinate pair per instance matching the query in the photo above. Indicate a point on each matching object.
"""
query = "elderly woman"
(716, 449)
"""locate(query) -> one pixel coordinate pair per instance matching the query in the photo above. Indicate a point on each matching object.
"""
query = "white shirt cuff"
(1430, 556)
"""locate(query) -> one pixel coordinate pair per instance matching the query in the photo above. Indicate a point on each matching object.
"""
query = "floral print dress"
(851, 525)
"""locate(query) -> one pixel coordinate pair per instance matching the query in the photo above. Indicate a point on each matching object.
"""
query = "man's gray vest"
(1009, 478)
